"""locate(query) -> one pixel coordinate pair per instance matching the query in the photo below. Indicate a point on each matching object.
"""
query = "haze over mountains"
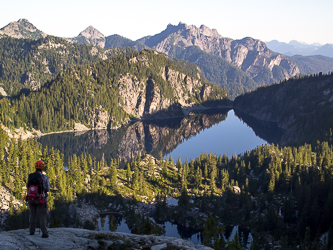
(297, 48)
(237, 65)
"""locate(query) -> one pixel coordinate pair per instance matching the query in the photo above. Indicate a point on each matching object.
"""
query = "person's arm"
(46, 183)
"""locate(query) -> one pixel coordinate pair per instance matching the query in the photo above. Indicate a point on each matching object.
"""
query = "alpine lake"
(216, 131)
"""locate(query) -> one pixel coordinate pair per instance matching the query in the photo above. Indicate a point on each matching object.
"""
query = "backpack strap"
(42, 185)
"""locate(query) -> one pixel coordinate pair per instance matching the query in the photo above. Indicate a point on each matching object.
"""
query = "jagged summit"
(202, 30)
(22, 29)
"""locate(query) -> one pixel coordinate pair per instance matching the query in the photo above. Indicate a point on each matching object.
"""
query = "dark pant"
(41, 208)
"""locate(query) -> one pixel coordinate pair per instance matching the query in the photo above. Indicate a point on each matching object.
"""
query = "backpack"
(35, 189)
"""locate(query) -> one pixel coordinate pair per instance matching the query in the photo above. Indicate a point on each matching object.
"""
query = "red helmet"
(39, 164)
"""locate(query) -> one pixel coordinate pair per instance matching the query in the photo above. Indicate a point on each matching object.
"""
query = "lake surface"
(231, 136)
(218, 131)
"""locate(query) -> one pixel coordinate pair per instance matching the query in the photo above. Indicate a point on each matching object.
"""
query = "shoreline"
(25, 134)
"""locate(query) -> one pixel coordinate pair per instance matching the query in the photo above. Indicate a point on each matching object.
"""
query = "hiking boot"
(45, 236)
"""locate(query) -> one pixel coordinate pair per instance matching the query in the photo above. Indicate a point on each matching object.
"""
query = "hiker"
(38, 185)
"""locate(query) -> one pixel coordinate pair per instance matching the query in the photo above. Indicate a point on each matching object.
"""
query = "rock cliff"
(71, 238)
(6, 201)
(142, 98)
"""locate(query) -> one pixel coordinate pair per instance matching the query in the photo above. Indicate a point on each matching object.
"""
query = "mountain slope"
(219, 71)
(21, 29)
(250, 55)
(119, 41)
(107, 94)
(28, 64)
(313, 64)
(301, 106)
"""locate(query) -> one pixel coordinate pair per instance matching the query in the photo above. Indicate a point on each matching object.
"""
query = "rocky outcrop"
(248, 54)
(22, 29)
(2, 92)
(7, 200)
(21, 133)
(133, 94)
(71, 238)
(99, 118)
(144, 97)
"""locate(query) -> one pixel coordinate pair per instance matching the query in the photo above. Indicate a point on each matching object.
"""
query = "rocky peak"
(193, 30)
(91, 32)
(90, 36)
(22, 29)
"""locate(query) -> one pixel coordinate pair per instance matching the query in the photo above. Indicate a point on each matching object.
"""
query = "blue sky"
(284, 20)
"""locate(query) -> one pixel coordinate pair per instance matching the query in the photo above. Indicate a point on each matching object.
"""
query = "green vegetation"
(285, 193)
(28, 64)
(115, 41)
(310, 64)
(302, 105)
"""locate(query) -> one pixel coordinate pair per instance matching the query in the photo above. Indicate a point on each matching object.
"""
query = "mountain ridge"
(250, 55)
(245, 58)
(22, 29)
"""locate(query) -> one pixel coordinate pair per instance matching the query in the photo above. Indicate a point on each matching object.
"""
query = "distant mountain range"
(297, 48)
(237, 65)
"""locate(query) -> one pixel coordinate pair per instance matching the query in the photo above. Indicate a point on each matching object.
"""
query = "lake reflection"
(217, 130)
(117, 223)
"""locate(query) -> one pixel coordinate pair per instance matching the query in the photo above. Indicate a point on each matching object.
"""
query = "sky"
(308, 21)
